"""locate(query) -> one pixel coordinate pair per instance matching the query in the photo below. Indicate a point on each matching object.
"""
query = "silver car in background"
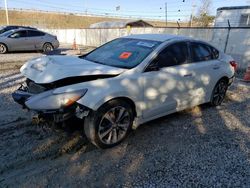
(5, 28)
(27, 40)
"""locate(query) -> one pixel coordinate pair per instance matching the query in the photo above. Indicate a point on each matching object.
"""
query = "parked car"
(128, 81)
(27, 40)
(11, 27)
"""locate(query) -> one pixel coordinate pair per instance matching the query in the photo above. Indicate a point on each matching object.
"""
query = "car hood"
(47, 69)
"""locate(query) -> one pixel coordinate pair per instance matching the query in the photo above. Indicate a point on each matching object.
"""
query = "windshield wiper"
(97, 62)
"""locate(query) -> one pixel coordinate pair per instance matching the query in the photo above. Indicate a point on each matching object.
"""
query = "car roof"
(25, 29)
(19, 26)
(157, 37)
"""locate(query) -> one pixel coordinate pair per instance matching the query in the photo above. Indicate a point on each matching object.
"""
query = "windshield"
(2, 30)
(5, 34)
(123, 52)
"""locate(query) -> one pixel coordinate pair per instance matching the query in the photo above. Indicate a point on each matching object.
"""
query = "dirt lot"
(200, 147)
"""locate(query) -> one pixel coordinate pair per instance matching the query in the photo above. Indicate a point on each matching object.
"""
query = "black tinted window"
(201, 52)
(175, 54)
(19, 34)
(35, 33)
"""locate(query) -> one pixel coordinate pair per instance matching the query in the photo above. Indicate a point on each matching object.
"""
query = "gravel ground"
(200, 147)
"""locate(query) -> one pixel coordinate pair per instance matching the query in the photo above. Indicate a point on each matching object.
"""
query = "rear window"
(201, 52)
(35, 33)
(123, 52)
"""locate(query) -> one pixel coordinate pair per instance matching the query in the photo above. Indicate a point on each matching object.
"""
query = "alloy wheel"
(114, 125)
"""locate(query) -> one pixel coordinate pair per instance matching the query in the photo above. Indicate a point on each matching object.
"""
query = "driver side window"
(173, 55)
(19, 34)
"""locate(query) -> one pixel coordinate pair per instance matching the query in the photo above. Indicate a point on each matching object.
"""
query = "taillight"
(233, 64)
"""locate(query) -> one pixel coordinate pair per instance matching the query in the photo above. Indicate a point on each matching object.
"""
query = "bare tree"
(205, 7)
(204, 18)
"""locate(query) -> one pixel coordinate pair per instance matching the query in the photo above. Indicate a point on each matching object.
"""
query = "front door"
(19, 41)
(166, 89)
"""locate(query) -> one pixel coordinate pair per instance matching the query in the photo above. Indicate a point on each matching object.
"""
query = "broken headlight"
(50, 100)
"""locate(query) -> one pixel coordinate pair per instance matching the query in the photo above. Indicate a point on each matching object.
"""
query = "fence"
(233, 41)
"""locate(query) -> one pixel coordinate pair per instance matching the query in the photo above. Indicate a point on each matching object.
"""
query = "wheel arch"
(48, 43)
(126, 99)
(102, 102)
(223, 78)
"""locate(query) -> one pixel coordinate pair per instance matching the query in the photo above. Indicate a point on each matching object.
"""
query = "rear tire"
(3, 49)
(219, 92)
(110, 124)
(47, 47)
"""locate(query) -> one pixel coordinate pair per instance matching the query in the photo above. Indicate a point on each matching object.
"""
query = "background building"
(238, 16)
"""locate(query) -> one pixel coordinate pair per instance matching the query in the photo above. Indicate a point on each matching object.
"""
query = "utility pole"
(192, 14)
(85, 5)
(6, 11)
(166, 13)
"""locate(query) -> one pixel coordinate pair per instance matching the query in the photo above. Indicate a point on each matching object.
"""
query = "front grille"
(34, 88)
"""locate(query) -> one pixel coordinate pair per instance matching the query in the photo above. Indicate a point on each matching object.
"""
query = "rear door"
(166, 88)
(36, 38)
(206, 68)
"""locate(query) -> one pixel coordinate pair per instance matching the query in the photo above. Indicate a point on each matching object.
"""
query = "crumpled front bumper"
(59, 115)
(21, 95)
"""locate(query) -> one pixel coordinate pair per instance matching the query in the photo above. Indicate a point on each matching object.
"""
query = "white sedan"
(126, 82)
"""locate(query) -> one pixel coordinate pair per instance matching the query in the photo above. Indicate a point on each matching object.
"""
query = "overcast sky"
(155, 9)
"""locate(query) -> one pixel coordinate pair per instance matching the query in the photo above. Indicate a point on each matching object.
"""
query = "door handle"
(188, 75)
(216, 67)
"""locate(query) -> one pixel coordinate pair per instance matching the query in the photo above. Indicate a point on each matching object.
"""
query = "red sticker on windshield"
(125, 55)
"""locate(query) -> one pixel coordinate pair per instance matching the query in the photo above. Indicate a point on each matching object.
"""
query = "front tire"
(219, 92)
(110, 124)
(3, 49)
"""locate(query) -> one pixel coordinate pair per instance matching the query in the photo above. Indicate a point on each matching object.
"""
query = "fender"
(103, 90)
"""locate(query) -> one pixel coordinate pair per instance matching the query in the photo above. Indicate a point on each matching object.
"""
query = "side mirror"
(14, 36)
(153, 66)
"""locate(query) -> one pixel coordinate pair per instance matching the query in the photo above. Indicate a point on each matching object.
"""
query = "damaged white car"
(126, 82)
